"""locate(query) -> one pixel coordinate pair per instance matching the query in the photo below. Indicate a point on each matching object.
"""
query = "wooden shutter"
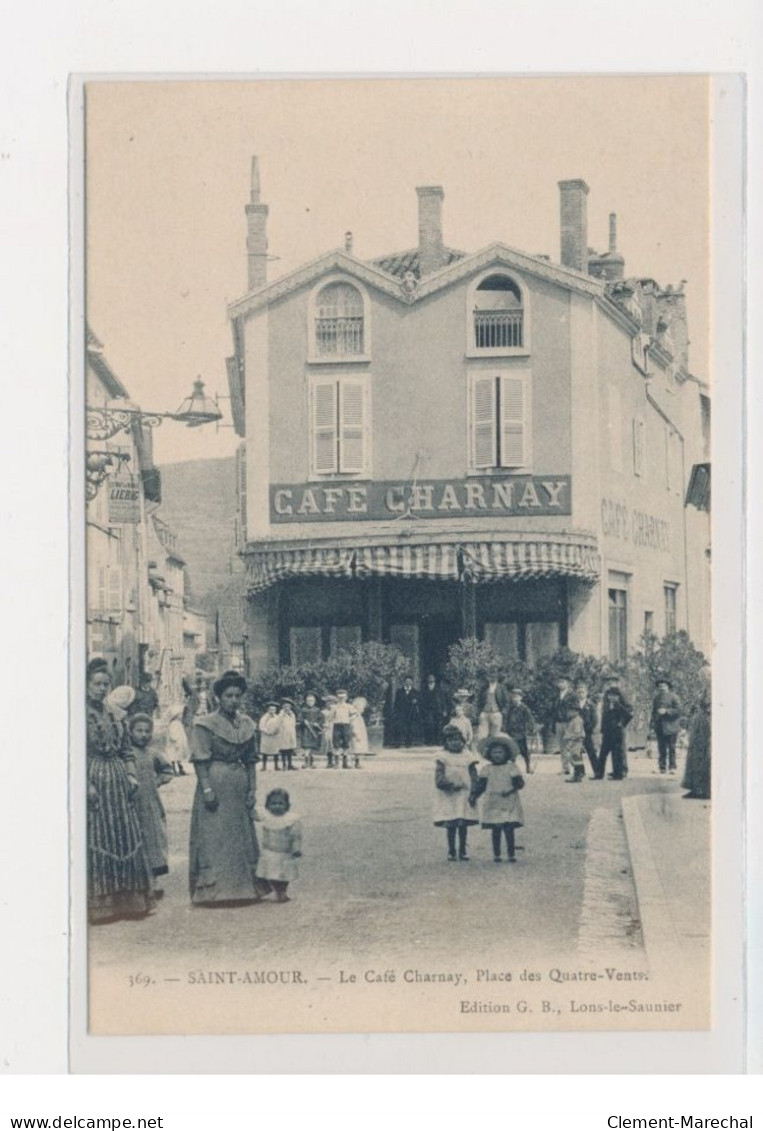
(513, 422)
(615, 428)
(639, 446)
(352, 426)
(483, 422)
(324, 417)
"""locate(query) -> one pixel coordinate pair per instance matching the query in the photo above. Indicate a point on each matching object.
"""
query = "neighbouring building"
(135, 575)
(442, 444)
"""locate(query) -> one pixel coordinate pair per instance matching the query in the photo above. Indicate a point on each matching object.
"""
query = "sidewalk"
(670, 850)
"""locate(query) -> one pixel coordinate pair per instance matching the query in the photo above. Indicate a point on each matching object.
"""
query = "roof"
(382, 280)
(399, 263)
(96, 359)
(232, 621)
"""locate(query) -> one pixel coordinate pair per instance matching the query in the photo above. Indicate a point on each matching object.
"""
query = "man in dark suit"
(589, 715)
(433, 711)
(406, 713)
(616, 713)
(666, 713)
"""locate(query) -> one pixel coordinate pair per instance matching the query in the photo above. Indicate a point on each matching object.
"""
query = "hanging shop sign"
(338, 501)
(124, 500)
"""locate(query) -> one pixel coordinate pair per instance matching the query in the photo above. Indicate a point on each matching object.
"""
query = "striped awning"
(574, 556)
(266, 567)
(564, 555)
(427, 560)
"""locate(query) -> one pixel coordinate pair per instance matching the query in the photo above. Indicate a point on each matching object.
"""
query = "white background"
(41, 46)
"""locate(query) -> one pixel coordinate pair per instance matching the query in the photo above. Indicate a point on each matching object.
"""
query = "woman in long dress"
(697, 772)
(119, 884)
(223, 849)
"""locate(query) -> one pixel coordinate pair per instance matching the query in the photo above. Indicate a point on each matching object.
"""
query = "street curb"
(661, 940)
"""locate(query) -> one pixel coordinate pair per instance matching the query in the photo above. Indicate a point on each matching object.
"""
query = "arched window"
(498, 314)
(339, 321)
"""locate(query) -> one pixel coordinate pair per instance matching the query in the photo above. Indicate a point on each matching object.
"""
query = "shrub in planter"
(673, 656)
(469, 661)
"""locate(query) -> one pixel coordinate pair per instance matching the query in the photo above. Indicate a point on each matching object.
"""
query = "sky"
(167, 180)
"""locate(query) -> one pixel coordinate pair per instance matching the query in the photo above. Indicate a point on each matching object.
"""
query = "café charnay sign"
(339, 501)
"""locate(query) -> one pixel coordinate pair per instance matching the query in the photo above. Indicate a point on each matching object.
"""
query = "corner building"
(442, 444)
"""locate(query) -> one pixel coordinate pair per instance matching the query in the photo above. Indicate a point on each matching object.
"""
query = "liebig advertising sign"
(124, 500)
(341, 501)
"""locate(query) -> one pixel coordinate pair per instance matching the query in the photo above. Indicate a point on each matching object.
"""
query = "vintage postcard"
(398, 703)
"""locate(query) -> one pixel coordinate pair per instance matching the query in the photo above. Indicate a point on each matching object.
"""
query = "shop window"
(498, 315)
(339, 321)
(639, 446)
(671, 594)
(504, 638)
(305, 645)
(618, 625)
(343, 637)
(499, 421)
(340, 418)
(542, 639)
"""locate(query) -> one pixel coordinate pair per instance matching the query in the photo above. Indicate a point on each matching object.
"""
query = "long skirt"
(153, 824)
(119, 885)
(697, 772)
(223, 850)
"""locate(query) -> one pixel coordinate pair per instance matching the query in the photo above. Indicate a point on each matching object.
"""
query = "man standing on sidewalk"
(589, 716)
(565, 707)
(666, 712)
(616, 713)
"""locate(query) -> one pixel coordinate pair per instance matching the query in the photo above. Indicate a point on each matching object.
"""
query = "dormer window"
(339, 321)
(498, 315)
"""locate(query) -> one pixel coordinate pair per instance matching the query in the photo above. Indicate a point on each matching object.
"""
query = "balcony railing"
(498, 329)
(339, 336)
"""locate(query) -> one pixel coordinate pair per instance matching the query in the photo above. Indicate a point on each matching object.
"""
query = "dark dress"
(119, 884)
(697, 773)
(223, 847)
(152, 770)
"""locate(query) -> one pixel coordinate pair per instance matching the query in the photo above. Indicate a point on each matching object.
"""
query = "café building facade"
(439, 444)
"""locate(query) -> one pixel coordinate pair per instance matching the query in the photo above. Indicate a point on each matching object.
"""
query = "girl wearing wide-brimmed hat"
(497, 784)
(223, 848)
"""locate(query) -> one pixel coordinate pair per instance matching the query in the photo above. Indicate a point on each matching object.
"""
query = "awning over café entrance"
(519, 556)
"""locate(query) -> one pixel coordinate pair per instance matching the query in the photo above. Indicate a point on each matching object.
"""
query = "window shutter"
(102, 588)
(513, 424)
(352, 424)
(115, 591)
(324, 427)
(615, 428)
(483, 422)
(639, 446)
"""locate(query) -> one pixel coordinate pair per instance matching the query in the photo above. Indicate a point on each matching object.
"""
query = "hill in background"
(199, 504)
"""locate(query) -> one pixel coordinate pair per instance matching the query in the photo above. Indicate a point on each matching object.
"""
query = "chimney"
(257, 233)
(431, 251)
(348, 242)
(612, 233)
(574, 224)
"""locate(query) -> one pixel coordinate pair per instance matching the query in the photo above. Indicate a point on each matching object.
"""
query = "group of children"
(470, 791)
(335, 732)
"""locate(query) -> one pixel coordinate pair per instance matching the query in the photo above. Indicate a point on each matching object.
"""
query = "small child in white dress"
(280, 835)
(497, 784)
(453, 782)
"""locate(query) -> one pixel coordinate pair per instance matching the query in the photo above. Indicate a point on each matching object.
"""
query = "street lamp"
(104, 422)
